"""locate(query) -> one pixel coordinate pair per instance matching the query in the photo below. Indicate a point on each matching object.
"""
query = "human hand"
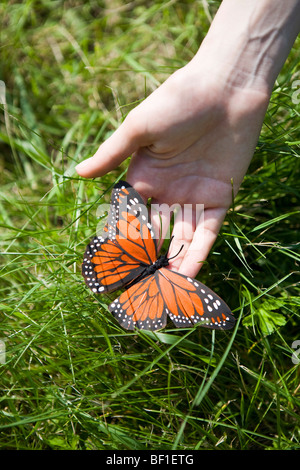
(192, 139)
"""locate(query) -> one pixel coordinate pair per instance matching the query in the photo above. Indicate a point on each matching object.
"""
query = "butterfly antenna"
(177, 252)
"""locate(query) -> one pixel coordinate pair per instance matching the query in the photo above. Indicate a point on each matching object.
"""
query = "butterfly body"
(125, 256)
(159, 263)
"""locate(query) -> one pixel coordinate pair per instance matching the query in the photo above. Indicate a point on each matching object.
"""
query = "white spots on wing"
(127, 322)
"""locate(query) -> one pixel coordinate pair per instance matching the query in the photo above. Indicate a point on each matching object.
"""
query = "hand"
(189, 139)
(193, 138)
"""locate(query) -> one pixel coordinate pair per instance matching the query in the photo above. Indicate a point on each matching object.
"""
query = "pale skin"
(193, 138)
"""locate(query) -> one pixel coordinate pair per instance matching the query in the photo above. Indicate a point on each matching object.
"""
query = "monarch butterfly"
(125, 256)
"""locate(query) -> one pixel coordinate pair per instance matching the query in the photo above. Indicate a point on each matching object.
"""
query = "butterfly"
(125, 255)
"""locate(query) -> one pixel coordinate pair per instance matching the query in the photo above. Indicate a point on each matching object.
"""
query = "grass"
(72, 378)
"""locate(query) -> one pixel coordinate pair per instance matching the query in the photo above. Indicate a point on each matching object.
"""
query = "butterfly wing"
(120, 256)
(188, 301)
(126, 246)
(146, 304)
(141, 306)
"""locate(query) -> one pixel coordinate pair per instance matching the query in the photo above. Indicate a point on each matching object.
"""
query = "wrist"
(248, 42)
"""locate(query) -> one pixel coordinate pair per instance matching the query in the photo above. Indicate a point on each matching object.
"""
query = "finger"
(187, 219)
(160, 218)
(120, 145)
(199, 245)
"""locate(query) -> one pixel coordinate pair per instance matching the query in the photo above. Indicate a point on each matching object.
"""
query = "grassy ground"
(71, 377)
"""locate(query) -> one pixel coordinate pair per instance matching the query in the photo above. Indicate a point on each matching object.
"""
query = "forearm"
(249, 41)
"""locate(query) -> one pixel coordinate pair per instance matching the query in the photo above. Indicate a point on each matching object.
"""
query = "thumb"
(120, 145)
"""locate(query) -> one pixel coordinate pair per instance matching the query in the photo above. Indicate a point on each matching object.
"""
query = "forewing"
(126, 246)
